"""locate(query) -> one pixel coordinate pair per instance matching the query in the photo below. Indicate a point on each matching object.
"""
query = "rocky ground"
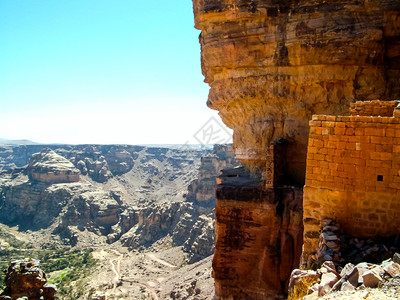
(144, 214)
(346, 267)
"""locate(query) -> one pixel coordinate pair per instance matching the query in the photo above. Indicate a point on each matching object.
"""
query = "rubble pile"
(329, 279)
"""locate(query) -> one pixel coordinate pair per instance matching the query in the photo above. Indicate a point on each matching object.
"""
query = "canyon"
(271, 66)
(143, 212)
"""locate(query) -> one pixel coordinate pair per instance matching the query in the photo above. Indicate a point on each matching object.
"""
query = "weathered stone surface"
(202, 190)
(47, 166)
(391, 268)
(345, 179)
(272, 64)
(327, 282)
(373, 277)
(258, 240)
(347, 286)
(396, 258)
(300, 278)
(25, 278)
(350, 273)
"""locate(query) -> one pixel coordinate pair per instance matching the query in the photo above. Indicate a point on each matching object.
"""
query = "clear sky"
(101, 71)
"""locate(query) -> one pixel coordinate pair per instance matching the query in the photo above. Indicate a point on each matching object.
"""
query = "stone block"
(391, 268)
(347, 287)
(396, 258)
(373, 277)
(350, 274)
(327, 282)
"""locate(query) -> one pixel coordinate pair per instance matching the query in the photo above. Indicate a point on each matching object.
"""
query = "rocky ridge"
(190, 224)
(33, 198)
(47, 166)
(146, 216)
(144, 197)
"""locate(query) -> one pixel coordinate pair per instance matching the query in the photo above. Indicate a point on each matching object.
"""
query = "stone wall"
(373, 108)
(353, 175)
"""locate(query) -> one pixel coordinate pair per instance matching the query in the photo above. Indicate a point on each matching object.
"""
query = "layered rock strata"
(202, 190)
(47, 166)
(271, 65)
(258, 237)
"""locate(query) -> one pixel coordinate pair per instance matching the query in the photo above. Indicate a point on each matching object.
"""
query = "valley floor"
(114, 272)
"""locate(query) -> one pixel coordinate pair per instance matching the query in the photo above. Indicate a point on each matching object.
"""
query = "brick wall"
(373, 108)
(352, 176)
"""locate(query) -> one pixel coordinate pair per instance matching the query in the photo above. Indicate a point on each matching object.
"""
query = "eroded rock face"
(47, 166)
(202, 190)
(272, 64)
(25, 279)
(258, 238)
(188, 225)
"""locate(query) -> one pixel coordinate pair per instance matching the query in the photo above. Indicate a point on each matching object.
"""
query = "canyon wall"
(258, 236)
(271, 65)
(202, 190)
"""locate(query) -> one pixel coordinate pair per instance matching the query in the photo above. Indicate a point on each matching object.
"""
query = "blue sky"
(100, 71)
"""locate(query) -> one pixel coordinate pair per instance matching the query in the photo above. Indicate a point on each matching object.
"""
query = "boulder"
(373, 277)
(350, 273)
(391, 268)
(396, 258)
(347, 287)
(24, 278)
(328, 280)
(302, 278)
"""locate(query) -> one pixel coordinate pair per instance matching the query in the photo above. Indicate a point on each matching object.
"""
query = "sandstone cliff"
(47, 166)
(271, 65)
(202, 190)
(146, 195)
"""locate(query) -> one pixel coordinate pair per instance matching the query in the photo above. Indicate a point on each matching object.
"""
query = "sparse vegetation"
(62, 266)
(301, 288)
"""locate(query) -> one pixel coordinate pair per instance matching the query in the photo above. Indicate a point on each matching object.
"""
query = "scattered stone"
(373, 277)
(347, 287)
(327, 282)
(396, 258)
(350, 274)
(362, 269)
(329, 266)
(392, 268)
(340, 248)
(375, 261)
